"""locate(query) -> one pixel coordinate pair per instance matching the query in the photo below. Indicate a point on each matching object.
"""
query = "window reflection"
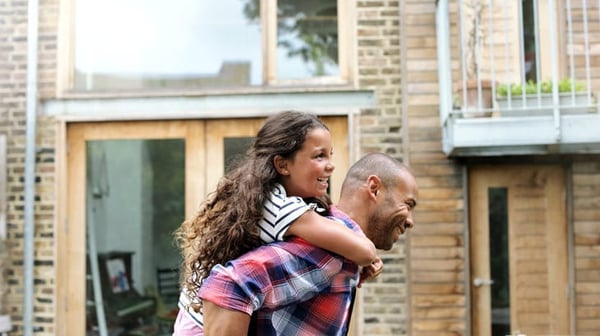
(138, 44)
(499, 271)
(135, 200)
(307, 39)
(529, 41)
(235, 150)
(165, 44)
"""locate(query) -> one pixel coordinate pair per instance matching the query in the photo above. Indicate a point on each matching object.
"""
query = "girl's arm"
(333, 236)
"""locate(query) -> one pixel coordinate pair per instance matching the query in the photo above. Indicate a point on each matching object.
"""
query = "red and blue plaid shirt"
(289, 288)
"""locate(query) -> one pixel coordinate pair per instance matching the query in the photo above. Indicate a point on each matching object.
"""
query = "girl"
(291, 155)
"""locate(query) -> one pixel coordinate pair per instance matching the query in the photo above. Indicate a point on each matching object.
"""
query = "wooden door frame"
(559, 307)
(71, 237)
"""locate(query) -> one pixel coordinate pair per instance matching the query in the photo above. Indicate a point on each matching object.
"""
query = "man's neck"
(354, 212)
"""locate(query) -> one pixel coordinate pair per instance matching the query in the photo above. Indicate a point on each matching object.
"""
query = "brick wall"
(13, 23)
(13, 73)
(378, 55)
(384, 308)
(3, 254)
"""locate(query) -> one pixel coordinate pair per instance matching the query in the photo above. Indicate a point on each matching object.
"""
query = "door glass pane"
(235, 150)
(307, 39)
(166, 44)
(500, 295)
(135, 199)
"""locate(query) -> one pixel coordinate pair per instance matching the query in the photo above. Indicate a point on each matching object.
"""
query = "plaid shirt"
(291, 288)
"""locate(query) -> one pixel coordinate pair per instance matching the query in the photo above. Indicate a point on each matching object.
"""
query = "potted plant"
(474, 95)
(535, 99)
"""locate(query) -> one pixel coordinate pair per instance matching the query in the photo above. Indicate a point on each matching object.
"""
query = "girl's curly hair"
(225, 226)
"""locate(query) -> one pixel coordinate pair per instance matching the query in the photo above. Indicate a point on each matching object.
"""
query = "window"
(202, 44)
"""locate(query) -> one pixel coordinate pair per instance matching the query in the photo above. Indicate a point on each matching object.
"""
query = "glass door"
(130, 185)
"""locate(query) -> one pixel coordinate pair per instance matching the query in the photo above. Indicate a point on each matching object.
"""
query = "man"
(294, 288)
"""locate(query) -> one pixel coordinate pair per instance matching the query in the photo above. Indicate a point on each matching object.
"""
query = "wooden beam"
(3, 187)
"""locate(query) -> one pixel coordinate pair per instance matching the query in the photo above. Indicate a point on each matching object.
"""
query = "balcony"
(518, 77)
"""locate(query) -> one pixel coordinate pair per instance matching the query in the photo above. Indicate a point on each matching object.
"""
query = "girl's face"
(307, 173)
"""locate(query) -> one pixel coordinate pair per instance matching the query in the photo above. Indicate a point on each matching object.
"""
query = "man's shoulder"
(343, 217)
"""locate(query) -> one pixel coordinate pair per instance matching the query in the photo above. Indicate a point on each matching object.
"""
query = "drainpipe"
(30, 149)
(554, 63)
(443, 56)
(442, 25)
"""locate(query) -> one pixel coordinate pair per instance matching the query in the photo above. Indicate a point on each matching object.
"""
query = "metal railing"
(518, 58)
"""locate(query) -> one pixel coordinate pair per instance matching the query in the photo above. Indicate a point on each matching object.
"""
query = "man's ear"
(374, 185)
(280, 165)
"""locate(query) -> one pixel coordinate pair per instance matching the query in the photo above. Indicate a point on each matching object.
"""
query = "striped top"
(279, 212)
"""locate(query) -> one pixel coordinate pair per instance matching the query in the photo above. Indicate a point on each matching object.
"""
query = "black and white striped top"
(279, 212)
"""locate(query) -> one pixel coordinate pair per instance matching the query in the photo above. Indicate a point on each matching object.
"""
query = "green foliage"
(531, 87)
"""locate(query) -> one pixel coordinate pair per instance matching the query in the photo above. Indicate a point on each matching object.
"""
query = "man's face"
(393, 213)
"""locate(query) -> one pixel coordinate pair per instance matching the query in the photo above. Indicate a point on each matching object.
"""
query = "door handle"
(478, 282)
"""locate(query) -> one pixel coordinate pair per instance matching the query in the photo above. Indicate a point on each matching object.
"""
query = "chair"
(167, 280)
(124, 305)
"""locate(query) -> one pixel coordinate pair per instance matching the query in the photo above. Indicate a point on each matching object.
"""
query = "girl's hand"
(371, 271)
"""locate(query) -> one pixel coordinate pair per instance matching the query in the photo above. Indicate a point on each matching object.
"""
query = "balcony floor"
(524, 135)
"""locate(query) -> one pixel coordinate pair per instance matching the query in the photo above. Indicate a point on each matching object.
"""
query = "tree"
(307, 29)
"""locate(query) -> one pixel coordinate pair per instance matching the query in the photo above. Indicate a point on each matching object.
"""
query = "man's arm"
(224, 322)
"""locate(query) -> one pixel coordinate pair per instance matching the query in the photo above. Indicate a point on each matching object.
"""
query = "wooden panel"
(526, 199)
(586, 201)
(556, 241)
(195, 166)
(338, 126)
(71, 242)
(61, 260)
(479, 252)
(2, 186)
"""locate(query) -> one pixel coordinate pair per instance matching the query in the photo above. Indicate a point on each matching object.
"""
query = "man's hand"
(371, 271)
(219, 321)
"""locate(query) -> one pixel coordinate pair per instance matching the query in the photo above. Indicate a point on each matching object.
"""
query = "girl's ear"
(280, 165)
